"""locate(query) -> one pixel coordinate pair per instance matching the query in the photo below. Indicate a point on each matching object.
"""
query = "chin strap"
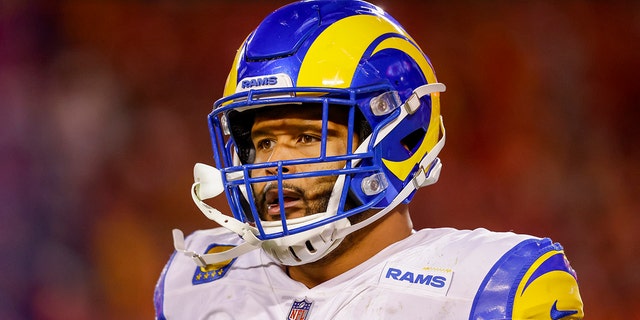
(207, 185)
(203, 260)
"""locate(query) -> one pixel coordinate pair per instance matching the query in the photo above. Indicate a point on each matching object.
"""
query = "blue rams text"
(426, 279)
(258, 82)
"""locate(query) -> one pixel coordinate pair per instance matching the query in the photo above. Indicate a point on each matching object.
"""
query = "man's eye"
(265, 144)
(305, 138)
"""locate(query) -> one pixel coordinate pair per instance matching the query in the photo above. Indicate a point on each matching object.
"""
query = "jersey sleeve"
(158, 295)
(533, 280)
(182, 283)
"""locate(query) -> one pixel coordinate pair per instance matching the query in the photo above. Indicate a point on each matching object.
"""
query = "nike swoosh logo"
(559, 314)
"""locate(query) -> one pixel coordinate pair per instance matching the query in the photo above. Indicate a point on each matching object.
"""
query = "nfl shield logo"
(300, 310)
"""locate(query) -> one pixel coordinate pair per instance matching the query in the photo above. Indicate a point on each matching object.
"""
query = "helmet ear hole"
(412, 140)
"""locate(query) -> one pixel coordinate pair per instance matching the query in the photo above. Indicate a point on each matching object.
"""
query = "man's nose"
(281, 153)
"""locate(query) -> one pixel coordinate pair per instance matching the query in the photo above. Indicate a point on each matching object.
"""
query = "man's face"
(295, 132)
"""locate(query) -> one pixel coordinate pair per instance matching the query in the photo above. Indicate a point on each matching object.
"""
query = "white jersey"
(433, 274)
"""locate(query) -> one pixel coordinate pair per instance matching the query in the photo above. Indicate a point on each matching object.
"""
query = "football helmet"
(323, 54)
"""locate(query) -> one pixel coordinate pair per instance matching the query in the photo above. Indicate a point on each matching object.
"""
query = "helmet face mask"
(352, 67)
(331, 156)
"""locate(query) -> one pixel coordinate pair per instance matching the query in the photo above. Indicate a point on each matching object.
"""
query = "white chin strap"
(294, 249)
(208, 184)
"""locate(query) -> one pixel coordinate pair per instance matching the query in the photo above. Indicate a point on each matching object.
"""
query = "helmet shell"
(333, 53)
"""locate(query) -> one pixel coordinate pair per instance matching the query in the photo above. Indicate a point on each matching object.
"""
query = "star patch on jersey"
(216, 271)
(300, 310)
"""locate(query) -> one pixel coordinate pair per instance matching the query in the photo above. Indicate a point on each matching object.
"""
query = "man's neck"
(355, 249)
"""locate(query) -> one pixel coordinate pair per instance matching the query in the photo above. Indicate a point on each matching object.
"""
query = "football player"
(329, 123)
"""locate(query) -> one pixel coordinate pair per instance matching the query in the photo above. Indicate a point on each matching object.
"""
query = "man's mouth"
(290, 199)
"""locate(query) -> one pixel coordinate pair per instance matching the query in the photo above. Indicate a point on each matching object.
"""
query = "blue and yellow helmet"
(336, 54)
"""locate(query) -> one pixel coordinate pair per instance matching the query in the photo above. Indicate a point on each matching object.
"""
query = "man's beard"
(316, 202)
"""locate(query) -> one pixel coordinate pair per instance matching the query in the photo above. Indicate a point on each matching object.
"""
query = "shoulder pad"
(534, 280)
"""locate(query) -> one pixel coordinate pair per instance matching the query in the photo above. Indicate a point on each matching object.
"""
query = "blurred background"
(103, 109)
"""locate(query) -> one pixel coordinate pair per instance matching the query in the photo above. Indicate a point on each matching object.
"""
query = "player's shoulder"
(182, 278)
(206, 241)
(529, 277)
(535, 279)
(200, 241)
